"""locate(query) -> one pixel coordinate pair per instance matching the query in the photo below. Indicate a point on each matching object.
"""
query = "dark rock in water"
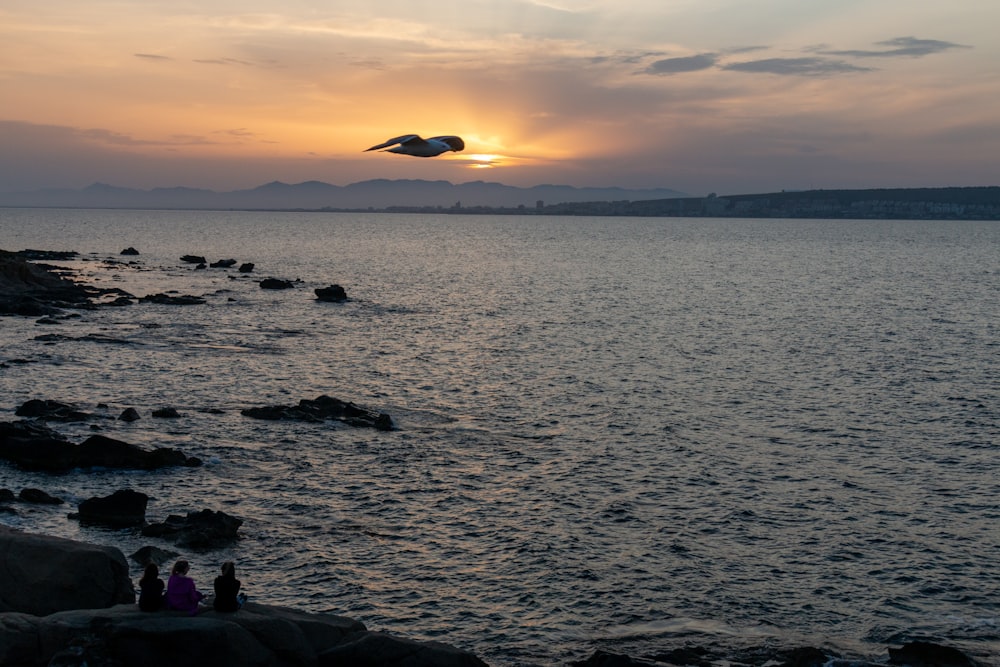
(166, 413)
(223, 264)
(606, 659)
(50, 410)
(38, 497)
(122, 508)
(276, 283)
(193, 259)
(198, 530)
(43, 575)
(929, 654)
(246, 268)
(173, 300)
(150, 554)
(129, 415)
(35, 290)
(34, 447)
(805, 657)
(129, 251)
(6, 495)
(324, 408)
(334, 293)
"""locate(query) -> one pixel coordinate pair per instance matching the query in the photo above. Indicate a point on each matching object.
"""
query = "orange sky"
(698, 96)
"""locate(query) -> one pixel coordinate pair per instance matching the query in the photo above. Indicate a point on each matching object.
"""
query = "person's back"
(227, 588)
(151, 589)
(182, 595)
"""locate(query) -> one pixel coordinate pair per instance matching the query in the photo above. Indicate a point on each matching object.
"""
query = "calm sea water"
(631, 434)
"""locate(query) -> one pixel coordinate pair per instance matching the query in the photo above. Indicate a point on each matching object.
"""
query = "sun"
(482, 160)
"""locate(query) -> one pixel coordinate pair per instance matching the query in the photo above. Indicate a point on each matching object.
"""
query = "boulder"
(173, 299)
(41, 575)
(276, 283)
(50, 410)
(323, 408)
(129, 251)
(31, 446)
(38, 497)
(928, 654)
(166, 413)
(129, 415)
(333, 293)
(150, 554)
(198, 530)
(246, 267)
(193, 259)
(124, 507)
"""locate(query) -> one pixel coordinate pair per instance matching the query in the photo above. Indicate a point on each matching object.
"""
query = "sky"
(699, 96)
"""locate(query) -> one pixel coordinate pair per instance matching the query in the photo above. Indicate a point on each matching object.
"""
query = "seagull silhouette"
(412, 144)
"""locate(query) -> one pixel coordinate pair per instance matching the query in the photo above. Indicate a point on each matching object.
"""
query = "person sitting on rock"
(151, 589)
(182, 594)
(227, 589)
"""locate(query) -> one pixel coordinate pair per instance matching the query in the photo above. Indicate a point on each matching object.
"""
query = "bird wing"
(456, 143)
(405, 139)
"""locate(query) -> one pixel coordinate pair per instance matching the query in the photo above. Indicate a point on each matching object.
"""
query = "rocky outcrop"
(122, 508)
(324, 408)
(105, 630)
(333, 293)
(42, 575)
(34, 290)
(276, 283)
(198, 530)
(51, 410)
(193, 259)
(32, 446)
(173, 299)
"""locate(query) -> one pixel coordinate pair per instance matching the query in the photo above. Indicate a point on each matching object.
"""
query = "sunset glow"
(712, 96)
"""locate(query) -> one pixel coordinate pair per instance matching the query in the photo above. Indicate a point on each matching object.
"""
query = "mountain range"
(377, 194)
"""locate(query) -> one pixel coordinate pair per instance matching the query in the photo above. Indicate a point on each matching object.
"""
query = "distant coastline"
(419, 196)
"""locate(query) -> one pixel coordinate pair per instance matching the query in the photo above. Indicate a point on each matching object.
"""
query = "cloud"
(151, 56)
(684, 64)
(907, 47)
(807, 66)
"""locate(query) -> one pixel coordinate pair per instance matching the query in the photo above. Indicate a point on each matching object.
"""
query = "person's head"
(181, 567)
(151, 572)
(229, 569)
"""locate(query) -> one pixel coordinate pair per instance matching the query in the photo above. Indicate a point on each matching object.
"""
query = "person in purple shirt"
(182, 594)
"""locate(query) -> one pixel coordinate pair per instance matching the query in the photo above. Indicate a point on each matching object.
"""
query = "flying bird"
(412, 144)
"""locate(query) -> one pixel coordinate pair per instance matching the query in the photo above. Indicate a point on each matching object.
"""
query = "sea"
(621, 434)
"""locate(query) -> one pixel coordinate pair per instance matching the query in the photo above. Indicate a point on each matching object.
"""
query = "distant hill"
(379, 194)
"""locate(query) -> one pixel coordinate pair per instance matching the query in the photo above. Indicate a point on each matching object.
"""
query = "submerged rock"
(246, 268)
(223, 264)
(38, 497)
(324, 408)
(50, 410)
(173, 299)
(193, 259)
(276, 283)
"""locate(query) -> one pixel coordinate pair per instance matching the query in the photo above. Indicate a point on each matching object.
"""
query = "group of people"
(181, 594)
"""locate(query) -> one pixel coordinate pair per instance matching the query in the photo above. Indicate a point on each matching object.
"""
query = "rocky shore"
(70, 603)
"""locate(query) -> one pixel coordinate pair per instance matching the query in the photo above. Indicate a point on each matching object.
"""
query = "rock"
(605, 659)
(38, 497)
(929, 654)
(37, 448)
(35, 290)
(246, 268)
(51, 410)
(173, 300)
(150, 554)
(129, 415)
(377, 649)
(324, 408)
(42, 575)
(223, 264)
(6, 496)
(129, 251)
(122, 508)
(198, 530)
(334, 293)
(193, 259)
(166, 413)
(276, 283)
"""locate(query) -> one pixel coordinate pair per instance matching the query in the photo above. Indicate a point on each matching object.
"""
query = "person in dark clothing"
(151, 589)
(227, 589)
